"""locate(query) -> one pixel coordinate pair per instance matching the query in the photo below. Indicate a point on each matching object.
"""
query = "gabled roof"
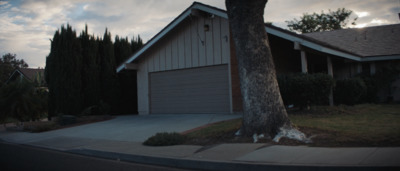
(314, 41)
(173, 24)
(365, 42)
(28, 73)
(31, 73)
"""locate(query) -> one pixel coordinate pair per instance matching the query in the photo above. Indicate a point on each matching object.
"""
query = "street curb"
(216, 165)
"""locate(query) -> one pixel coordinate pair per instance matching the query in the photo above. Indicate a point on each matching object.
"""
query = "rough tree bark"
(263, 108)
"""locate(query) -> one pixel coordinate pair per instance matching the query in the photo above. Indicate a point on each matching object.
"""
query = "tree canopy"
(8, 63)
(321, 22)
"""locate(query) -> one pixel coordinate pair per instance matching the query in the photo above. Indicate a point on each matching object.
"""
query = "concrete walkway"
(121, 139)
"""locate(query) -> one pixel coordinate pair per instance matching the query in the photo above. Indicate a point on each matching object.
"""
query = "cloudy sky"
(27, 25)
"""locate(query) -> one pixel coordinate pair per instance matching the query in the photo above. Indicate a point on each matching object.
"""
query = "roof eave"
(311, 44)
(381, 58)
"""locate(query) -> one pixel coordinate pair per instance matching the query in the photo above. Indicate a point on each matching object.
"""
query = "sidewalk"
(248, 156)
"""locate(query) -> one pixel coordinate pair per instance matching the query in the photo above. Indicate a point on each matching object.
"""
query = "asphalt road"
(20, 157)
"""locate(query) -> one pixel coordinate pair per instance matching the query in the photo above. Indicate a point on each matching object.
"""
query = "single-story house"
(190, 65)
(35, 75)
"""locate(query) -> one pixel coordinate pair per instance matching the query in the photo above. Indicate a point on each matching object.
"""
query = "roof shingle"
(366, 42)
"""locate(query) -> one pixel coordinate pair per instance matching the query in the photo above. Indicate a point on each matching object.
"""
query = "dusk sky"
(27, 25)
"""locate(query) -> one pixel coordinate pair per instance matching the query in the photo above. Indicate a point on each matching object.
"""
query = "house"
(35, 75)
(190, 65)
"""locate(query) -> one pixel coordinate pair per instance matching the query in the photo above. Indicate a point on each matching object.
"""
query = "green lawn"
(365, 125)
(360, 125)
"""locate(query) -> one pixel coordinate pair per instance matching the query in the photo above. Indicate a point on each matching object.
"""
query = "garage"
(190, 91)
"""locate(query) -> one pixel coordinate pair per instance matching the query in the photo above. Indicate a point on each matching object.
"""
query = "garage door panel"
(197, 90)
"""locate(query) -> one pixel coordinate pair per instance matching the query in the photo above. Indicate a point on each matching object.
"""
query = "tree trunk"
(263, 108)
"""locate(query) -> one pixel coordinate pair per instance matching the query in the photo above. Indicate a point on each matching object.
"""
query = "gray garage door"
(197, 90)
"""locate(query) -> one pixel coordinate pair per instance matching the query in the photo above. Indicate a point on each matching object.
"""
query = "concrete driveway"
(133, 128)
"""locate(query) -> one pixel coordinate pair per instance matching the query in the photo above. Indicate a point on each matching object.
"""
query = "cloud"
(361, 14)
(279, 11)
(27, 25)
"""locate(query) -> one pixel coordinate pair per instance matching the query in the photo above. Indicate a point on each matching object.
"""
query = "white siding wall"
(186, 46)
(143, 88)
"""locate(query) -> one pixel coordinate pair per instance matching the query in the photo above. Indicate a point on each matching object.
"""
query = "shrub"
(305, 89)
(66, 120)
(22, 101)
(42, 127)
(165, 139)
(349, 91)
(370, 95)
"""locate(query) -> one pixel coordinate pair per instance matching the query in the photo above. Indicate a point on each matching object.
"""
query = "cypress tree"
(108, 75)
(63, 67)
(136, 44)
(122, 49)
(90, 69)
(80, 72)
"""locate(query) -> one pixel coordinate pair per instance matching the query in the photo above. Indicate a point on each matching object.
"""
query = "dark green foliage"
(321, 22)
(136, 44)
(349, 91)
(99, 109)
(371, 85)
(90, 69)
(304, 89)
(8, 63)
(165, 139)
(110, 90)
(81, 74)
(66, 120)
(63, 73)
(384, 79)
(22, 101)
(122, 49)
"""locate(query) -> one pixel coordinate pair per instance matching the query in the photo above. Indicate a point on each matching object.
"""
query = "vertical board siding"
(209, 42)
(225, 41)
(201, 42)
(150, 63)
(181, 48)
(189, 45)
(168, 55)
(156, 58)
(217, 36)
(162, 58)
(174, 52)
(143, 88)
(195, 43)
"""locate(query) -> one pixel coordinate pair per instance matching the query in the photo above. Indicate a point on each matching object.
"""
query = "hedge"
(349, 91)
(304, 89)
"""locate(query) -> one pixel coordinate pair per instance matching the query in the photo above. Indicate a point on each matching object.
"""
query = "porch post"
(372, 67)
(330, 72)
(359, 68)
(304, 62)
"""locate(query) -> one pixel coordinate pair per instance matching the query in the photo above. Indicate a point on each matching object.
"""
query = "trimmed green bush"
(304, 89)
(349, 91)
(165, 139)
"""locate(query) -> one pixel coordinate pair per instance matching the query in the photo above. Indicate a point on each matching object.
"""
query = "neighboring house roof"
(307, 40)
(366, 42)
(31, 74)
